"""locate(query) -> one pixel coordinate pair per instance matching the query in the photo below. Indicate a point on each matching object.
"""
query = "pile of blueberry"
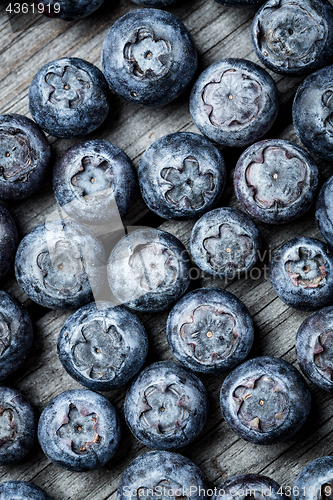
(149, 58)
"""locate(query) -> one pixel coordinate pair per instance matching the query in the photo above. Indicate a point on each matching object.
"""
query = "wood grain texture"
(27, 43)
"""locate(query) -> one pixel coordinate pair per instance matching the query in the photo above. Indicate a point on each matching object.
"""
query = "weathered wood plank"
(218, 32)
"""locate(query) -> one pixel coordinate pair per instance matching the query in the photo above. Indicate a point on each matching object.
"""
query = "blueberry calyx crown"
(210, 335)
(79, 429)
(262, 403)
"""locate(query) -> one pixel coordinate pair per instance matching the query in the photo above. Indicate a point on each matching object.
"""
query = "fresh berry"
(294, 37)
(302, 273)
(156, 4)
(68, 9)
(314, 348)
(225, 243)
(148, 270)
(166, 407)
(324, 207)
(181, 176)
(59, 264)
(20, 490)
(94, 182)
(257, 485)
(18, 426)
(240, 3)
(210, 330)
(102, 346)
(276, 181)
(162, 474)
(234, 102)
(149, 57)
(79, 430)
(69, 97)
(313, 113)
(16, 335)
(25, 157)
(315, 480)
(8, 241)
(265, 400)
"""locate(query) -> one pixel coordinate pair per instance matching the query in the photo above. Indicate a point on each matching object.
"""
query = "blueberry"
(265, 400)
(315, 480)
(25, 156)
(8, 241)
(234, 102)
(16, 335)
(18, 426)
(68, 9)
(276, 181)
(158, 4)
(164, 475)
(249, 486)
(314, 348)
(166, 407)
(294, 37)
(149, 57)
(59, 264)
(69, 97)
(94, 180)
(79, 430)
(313, 113)
(302, 274)
(148, 270)
(102, 346)
(181, 176)
(225, 243)
(324, 207)
(20, 490)
(240, 3)
(210, 330)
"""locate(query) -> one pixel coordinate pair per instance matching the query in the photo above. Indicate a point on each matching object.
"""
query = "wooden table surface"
(27, 42)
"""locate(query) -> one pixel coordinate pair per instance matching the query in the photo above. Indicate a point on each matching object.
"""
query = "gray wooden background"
(26, 43)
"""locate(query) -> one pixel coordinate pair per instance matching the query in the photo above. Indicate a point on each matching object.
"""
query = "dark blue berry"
(166, 407)
(225, 243)
(314, 348)
(324, 207)
(158, 4)
(24, 157)
(294, 37)
(265, 400)
(8, 241)
(302, 273)
(181, 176)
(59, 264)
(276, 181)
(240, 3)
(68, 10)
(69, 97)
(167, 475)
(102, 346)
(313, 113)
(234, 102)
(149, 57)
(148, 270)
(93, 181)
(16, 335)
(79, 430)
(18, 426)
(210, 330)
(253, 486)
(20, 490)
(315, 480)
